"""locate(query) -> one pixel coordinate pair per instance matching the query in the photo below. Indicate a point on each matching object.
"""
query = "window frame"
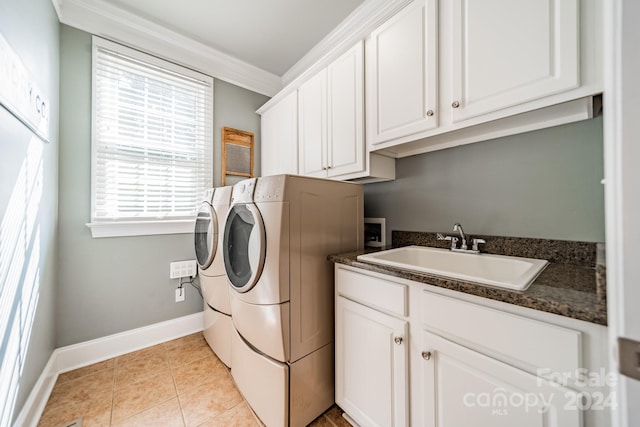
(101, 227)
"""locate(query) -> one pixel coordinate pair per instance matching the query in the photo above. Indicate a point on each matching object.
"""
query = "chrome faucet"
(463, 237)
(457, 227)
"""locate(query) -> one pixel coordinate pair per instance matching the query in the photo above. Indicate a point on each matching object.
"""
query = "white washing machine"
(213, 279)
(277, 236)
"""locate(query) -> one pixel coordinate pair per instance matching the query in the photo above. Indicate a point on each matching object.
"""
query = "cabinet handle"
(455, 104)
(429, 113)
(398, 340)
(426, 355)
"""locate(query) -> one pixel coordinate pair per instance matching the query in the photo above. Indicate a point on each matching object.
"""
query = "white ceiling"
(270, 34)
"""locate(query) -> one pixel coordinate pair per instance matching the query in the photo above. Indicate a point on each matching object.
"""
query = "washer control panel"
(222, 195)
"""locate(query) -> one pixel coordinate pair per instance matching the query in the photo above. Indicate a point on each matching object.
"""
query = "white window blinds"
(152, 136)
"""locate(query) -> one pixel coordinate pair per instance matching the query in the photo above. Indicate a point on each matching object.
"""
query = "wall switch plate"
(629, 357)
(180, 294)
(181, 269)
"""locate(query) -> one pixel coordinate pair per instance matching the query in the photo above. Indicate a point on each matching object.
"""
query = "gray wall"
(232, 105)
(111, 285)
(27, 239)
(543, 184)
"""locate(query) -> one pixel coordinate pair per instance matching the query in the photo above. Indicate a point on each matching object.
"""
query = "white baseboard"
(86, 353)
(33, 407)
(76, 356)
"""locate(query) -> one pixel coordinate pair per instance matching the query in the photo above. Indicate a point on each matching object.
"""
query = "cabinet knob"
(398, 340)
(455, 104)
(429, 113)
(324, 168)
(426, 355)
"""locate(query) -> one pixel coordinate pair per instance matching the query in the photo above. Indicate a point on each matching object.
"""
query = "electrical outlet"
(180, 294)
(181, 269)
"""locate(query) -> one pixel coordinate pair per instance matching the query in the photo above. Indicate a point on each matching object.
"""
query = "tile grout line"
(137, 382)
(113, 391)
(173, 378)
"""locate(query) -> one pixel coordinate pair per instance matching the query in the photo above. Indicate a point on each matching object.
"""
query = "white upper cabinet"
(312, 116)
(506, 52)
(331, 115)
(445, 73)
(279, 145)
(401, 69)
(345, 143)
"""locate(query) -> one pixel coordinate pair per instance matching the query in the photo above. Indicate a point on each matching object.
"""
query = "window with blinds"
(152, 140)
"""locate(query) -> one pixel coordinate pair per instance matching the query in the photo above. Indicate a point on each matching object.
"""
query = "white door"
(345, 142)
(312, 114)
(507, 52)
(622, 157)
(279, 137)
(401, 63)
(464, 388)
(371, 365)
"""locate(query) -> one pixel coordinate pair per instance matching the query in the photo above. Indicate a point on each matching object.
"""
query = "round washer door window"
(244, 246)
(206, 235)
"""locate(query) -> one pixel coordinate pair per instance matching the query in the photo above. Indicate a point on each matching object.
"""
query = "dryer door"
(244, 246)
(206, 235)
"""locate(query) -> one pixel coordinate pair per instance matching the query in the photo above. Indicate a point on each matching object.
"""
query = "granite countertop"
(571, 285)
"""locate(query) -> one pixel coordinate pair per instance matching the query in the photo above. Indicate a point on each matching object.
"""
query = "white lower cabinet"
(413, 354)
(463, 387)
(371, 369)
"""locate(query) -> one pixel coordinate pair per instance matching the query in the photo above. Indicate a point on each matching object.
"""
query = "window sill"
(140, 228)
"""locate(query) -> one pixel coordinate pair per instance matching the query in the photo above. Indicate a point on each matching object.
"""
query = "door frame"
(622, 200)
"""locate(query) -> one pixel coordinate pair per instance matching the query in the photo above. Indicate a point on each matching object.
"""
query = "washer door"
(244, 246)
(206, 235)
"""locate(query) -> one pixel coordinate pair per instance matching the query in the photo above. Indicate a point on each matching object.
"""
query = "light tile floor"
(177, 383)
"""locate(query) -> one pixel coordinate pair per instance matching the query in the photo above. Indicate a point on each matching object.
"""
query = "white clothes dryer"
(278, 234)
(213, 280)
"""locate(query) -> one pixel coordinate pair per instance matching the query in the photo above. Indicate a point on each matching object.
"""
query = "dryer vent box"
(183, 269)
(374, 232)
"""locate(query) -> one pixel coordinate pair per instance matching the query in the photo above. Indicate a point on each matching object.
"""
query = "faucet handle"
(454, 240)
(475, 243)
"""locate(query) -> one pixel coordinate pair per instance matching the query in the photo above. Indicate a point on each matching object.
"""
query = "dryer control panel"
(243, 191)
(270, 189)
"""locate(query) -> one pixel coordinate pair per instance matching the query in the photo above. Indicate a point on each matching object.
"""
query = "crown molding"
(368, 16)
(100, 18)
(355, 27)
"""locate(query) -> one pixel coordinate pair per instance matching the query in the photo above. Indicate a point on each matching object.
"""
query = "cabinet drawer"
(374, 292)
(528, 343)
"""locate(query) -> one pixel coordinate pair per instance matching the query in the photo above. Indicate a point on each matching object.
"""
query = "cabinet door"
(465, 388)
(345, 147)
(507, 52)
(371, 365)
(279, 145)
(312, 114)
(401, 74)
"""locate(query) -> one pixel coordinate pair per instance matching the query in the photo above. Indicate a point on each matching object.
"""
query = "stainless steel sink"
(501, 271)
